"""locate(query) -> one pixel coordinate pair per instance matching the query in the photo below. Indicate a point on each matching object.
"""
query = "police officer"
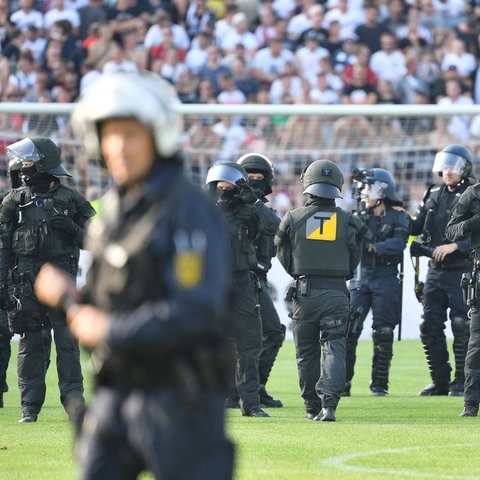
(376, 284)
(39, 222)
(464, 223)
(449, 260)
(260, 175)
(319, 245)
(227, 182)
(154, 306)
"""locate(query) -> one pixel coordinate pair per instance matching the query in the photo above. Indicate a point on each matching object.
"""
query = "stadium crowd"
(249, 51)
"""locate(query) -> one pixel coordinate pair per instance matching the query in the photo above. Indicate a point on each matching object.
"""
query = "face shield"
(23, 151)
(446, 161)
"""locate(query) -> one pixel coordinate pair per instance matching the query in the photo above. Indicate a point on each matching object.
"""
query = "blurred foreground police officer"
(154, 306)
(464, 223)
(42, 221)
(376, 284)
(227, 182)
(319, 245)
(448, 261)
(260, 176)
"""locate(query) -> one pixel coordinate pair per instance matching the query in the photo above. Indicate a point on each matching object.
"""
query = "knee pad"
(383, 334)
(460, 325)
(427, 326)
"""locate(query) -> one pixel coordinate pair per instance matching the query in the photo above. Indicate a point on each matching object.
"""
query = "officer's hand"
(473, 224)
(247, 195)
(66, 224)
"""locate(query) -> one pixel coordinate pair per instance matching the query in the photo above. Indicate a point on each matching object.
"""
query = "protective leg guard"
(382, 357)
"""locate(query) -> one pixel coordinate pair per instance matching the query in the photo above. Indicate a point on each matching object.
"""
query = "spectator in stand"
(452, 11)
(386, 94)
(413, 36)
(168, 43)
(359, 90)
(95, 11)
(459, 125)
(242, 35)
(12, 49)
(281, 32)
(62, 31)
(128, 14)
(206, 91)
(229, 93)
(60, 12)
(316, 15)
(40, 87)
(409, 84)
(265, 30)
(223, 26)
(346, 55)
(42, 124)
(25, 75)
(154, 37)
(198, 17)
(118, 62)
(284, 8)
(133, 49)
(213, 67)
(289, 84)
(438, 87)
(349, 18)
(34, 42)
(269, 62)
(388, 63)
(197, 55)
(465, 62)
(334, 81)
(333, 41)
(322, 92)
(370, 31)
(186, 87)
(172, 67)
(233, 136)
(308, 57)
(418, 127)
(362, 57)
(88, 75)
(300, 21)
(397, 15)
(26, 16)
(243, 79)
(429, 17)
(428, 67)
(99, 51)
(5, 25)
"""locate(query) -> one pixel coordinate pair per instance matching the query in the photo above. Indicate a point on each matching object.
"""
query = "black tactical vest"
(35, 235)
(319, 243)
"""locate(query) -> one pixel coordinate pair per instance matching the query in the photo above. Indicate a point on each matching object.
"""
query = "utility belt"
(304, 283)
(372, 261)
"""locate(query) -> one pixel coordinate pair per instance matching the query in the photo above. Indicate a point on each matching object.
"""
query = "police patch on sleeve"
(322, 226)
(188, 259)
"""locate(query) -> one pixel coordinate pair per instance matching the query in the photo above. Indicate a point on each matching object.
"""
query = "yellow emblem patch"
(322, 226)
(188, 265)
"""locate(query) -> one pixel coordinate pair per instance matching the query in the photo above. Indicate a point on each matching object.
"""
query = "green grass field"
(399, 436)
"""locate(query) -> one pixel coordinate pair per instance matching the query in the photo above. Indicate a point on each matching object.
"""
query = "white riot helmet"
(143, 96)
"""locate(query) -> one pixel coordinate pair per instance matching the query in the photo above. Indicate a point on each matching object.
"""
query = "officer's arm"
(357, 234)
(85, 212)
(269, 220)
(282, 242)
(395, 244)
(418, 221)
(458, 227)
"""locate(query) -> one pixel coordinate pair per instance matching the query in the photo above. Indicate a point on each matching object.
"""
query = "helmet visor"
(448, 161)
(224, 173)
(23, 151)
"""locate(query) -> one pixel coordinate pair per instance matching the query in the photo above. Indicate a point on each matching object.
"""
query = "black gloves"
(66, 224)
(3, 297)
(473, 223)
(247, 194)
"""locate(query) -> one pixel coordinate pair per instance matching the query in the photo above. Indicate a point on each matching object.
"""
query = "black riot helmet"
(258, 163)
(41, 152)
(230, 172)
(322, 178)
(382, 186)
(456, 157)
